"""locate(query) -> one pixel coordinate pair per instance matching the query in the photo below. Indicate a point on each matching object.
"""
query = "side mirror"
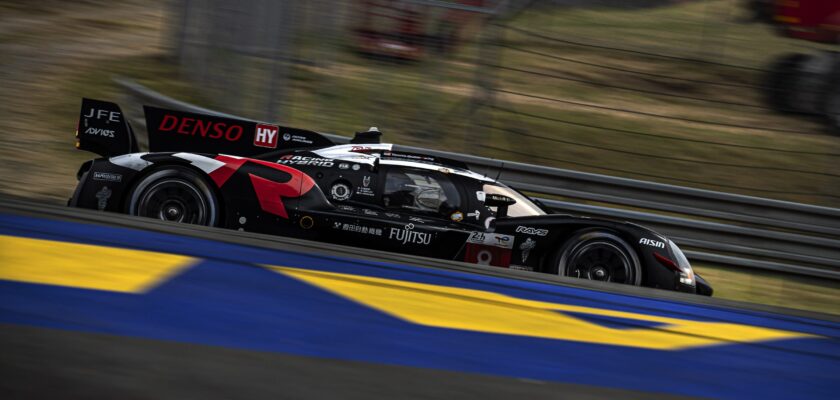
(500, 201)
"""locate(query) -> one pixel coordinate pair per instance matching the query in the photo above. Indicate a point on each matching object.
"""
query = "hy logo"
(266, 136)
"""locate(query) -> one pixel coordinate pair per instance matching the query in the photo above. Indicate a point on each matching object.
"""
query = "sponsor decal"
(365, 189)
(491, 239)
(370, 212)
(199, 127)
(99, 132)
(652, 243)
(266, 136)
(307, 222)
(289, 159)
(347, 208)
(392, 215)
(413, 157)
(103, 195)
(480, 195)
(407, 234)
(357, 229)
(531, 231)
(488, 249)
(343, 165)
(340, 191)
(526, 248)
(417, 219)
(107, 116)
(522, 268)
(289, 137)
(475, 214)
(457, 216)
(483, 257)
(107, 177)
(356, 167)
(359, 148)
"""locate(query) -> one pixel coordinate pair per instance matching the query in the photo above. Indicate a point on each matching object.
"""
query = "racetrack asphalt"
(49, 363)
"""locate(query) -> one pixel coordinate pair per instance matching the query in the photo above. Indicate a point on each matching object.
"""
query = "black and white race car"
(251, 176)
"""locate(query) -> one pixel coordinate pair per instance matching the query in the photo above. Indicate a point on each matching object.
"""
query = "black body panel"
(369, 196)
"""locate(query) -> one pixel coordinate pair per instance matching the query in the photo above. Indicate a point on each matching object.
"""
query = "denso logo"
(194, 126)
(266, 136)
(531, 231)
(651, 242)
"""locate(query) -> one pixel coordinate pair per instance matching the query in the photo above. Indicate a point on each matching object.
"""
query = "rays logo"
(531, 231)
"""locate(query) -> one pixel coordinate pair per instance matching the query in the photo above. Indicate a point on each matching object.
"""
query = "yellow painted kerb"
(482, 311)
(85, 266)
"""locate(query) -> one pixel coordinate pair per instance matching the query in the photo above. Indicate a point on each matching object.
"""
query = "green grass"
(772, 288)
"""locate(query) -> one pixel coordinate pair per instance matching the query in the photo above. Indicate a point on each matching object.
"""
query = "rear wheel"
(175, 194)
(598, 256)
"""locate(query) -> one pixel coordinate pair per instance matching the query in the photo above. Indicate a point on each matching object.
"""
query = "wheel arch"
(223, 201)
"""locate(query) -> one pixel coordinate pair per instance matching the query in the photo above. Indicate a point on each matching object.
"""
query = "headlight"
(679, 263)
(686, 273)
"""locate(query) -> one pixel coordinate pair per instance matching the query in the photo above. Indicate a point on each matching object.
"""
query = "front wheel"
(175, 194)
(598, 256)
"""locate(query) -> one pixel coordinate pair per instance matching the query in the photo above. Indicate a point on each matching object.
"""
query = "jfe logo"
(266, 136)
(108, 116)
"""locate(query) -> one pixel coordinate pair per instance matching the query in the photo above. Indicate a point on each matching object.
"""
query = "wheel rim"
(600, 261)
(174, 200)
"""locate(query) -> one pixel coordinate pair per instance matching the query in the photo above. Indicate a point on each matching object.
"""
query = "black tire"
(175, 194)
(830, 103)
(831, 110)
(598, 255)
(781, 81)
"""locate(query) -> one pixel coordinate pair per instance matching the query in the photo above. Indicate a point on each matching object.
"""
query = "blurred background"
(725, 95)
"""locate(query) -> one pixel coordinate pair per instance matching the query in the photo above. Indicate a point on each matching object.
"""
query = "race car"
(258, 177)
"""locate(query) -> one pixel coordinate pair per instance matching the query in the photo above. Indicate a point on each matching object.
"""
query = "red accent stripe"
(666, 261)
(232, 164)
(270, 194)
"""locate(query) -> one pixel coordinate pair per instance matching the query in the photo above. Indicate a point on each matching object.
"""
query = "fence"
(502, 79)
(717, 227)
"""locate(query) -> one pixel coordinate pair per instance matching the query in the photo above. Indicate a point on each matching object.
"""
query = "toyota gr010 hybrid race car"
(250, 176)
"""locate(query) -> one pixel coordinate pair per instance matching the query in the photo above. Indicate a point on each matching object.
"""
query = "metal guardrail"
(716, 227)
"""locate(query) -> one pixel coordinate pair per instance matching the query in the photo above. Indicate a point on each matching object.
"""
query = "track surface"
(217, 302)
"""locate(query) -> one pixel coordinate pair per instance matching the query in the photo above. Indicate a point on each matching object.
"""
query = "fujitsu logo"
(409, 235)
(266, 136)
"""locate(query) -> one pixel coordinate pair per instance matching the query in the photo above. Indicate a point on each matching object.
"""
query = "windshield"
(524, 207)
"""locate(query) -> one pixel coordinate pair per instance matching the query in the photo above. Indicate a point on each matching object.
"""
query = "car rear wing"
(104, 131)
